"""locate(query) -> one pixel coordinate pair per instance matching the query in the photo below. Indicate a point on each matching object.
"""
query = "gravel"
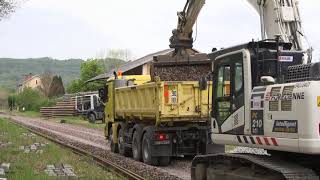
(93, 140)
(182, 73)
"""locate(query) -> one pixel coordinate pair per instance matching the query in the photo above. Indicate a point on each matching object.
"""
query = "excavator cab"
(236, 71)
(229, 88)
(242, 77)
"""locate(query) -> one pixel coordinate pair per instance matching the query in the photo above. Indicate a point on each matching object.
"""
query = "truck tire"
(92, 118)
(113, 146)
(164, 161)
(146, 150)
(136, 146)
(123, 150)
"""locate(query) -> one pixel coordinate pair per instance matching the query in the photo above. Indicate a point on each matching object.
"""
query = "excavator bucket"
(173, 67)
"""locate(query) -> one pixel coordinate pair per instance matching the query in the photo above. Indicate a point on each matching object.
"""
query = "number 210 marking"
(257, 123)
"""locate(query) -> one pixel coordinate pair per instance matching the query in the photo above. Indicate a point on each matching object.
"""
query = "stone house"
(29, 81)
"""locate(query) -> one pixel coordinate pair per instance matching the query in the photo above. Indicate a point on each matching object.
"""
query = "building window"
(36, 81)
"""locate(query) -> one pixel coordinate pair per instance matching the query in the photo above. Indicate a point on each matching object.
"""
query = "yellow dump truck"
(156, 120)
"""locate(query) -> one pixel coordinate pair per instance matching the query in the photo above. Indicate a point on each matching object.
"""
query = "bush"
(33, 100)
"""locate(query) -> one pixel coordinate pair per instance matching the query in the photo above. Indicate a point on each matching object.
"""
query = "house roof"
(132, 64)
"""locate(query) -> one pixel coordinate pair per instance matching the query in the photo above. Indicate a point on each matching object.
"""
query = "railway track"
(93, 142)
(101, 161)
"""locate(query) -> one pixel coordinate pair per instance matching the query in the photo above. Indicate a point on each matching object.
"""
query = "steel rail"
(101, 161)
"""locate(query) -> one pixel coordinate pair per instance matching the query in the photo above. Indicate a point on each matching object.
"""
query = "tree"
(120, 54)
(111, 63)
(8, 7)
(11, 102)
(124, 54)
(89, 69)
(3, 97)
(75, 86)
(46, 80)
(29, 99)
(56, 87)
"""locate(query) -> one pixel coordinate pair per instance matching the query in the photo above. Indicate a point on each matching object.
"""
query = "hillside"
(12, 70)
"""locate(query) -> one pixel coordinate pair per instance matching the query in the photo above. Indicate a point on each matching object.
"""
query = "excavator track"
(248, 166)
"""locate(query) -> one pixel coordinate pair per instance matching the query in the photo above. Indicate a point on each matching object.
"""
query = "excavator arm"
(181, 38)
(278, 18)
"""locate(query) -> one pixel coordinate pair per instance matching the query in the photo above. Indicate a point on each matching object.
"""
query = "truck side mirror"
(267, 80)
(103, 94)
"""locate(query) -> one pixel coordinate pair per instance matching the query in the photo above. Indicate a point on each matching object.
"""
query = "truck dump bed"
(163, 101)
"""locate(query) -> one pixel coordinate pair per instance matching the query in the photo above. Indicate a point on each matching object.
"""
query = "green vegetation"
(13, 70)
(32, 100)
(79, 121)
(31, 166)
(4, 94)
(31, 114)
(88, 70)
(91, 69)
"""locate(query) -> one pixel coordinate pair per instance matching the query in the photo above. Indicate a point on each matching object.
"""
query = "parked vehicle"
(90, 107)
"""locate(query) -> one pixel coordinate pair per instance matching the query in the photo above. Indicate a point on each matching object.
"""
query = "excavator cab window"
(223, 92)
(224, 82)
(229, 90)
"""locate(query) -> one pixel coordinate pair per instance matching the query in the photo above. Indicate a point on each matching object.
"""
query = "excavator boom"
(278, 18)
(181, 38)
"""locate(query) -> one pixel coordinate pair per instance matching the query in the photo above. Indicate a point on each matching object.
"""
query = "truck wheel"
(164, 161)
(92, 118)
(113, 146)
(146, 151)
(136, 146)
(123, 150)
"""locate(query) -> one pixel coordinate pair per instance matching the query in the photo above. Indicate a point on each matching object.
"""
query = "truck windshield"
(86, 103)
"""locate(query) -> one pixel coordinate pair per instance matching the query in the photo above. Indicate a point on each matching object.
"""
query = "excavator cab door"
(228, 96)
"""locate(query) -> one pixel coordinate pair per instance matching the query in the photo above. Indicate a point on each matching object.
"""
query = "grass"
(31, 166)
(31, 114)
(78, 120)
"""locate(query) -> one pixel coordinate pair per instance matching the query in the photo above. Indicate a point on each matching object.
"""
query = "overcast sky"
(84, 28)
